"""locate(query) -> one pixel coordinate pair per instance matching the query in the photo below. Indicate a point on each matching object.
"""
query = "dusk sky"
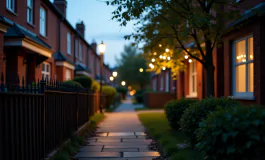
(99, 26)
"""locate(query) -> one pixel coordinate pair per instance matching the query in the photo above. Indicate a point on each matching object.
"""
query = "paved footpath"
(120, 136)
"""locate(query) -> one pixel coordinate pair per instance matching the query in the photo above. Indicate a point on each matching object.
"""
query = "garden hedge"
(110, 93)
(233, 133)
(71, 84)
(85, 81)
(193, 115)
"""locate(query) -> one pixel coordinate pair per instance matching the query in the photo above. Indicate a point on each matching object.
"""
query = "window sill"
(244, 97)
(32, 25)
(43, 36)
(191, 96)
(13, 12)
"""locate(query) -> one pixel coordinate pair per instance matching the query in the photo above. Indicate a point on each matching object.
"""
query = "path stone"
(121, 136)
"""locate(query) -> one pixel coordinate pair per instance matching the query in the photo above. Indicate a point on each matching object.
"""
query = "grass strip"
(158, 127)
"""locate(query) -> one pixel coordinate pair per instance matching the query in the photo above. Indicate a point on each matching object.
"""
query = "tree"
(129, 66)
(176, 23)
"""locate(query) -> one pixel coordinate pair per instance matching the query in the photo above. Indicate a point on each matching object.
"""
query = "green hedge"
(193, 115)
(95, 86)
(139, 96)
(110, 93)
(233, 133)
(174, 109)
(85, 81)
(71, 84)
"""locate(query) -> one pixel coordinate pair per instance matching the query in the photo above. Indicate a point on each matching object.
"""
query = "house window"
(167, 82)
(80, 52)
(46, 71)
(30, 11)
(68, 75)
(243, 70)
(161, 83)
(10, 4)
(42, 21)
(69, 43)
(76, 48)
(193, 79)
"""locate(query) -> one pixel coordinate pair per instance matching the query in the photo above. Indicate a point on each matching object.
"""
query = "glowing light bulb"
(155, 53)
(186, 56)
(150, 65)
(190, 60)
(160, 45)
(153, 60)
(160, 56)
(167, 50)
(168, 58)
(164, 57)
(164, 68)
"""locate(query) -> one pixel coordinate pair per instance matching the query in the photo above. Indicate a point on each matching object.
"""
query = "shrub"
(139, 96)
(85, 81)
(122, 90)
(72, 84)
(95, 86)
(233, 133)
(193, 115)
(110, 94)
(174, 110)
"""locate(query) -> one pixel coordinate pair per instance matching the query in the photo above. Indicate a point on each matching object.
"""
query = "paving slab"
(120, 134)
(140, 154)
(98, 155)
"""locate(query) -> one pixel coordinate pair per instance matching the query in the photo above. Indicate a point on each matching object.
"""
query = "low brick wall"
(157, 100)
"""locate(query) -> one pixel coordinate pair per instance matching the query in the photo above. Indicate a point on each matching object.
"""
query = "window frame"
(235, 64)
(191, 75)
(9, 5)
(43, 21)
(69, 42)
(30, 8)
(46, 73)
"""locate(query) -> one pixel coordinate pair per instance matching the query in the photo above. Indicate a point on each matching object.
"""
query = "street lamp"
(123, 83)
(102, 49)
(114, 74)
(141, 70)
(111, 78)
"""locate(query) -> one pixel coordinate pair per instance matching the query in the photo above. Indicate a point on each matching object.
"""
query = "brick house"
(238, 63)
(36, 40)
(163, 82)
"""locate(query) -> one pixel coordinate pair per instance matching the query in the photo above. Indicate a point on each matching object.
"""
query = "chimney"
(80, 27)
(61, 5)
(94, 45)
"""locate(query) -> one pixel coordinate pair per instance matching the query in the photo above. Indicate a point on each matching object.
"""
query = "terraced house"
(238, 62)
(37, 40)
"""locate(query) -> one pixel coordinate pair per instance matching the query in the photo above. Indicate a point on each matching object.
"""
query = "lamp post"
(102, 48)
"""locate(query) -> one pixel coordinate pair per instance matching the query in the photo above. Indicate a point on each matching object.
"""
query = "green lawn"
(158, 127)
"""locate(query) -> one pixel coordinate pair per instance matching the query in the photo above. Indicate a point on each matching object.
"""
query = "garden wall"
(157, 100)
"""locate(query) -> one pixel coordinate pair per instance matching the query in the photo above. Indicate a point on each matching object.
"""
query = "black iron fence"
(37, 117)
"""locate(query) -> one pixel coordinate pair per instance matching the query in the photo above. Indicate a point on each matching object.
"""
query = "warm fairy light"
(167, 50)
(150, 64)
(111, 78)
(164, 68)
(164, 57)
(168, 58)
(153, 60)
(160, 56)
(186, 56)
(160, 45)
(155, 54)
(141, 70)
(190, 60)
(123, 83)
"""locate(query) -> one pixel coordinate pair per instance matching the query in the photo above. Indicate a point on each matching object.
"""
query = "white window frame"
(68, 75)
(191, 75)
(46, 74)
(234, 64)
(30, 11)
(80, 51)
(43, 20)
(167, 82)
(161, 83)
(69, 43)
(10, 5)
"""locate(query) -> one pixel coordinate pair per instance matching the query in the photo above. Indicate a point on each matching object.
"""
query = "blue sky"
(99, 26)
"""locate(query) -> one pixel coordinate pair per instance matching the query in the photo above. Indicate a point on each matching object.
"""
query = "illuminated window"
(46, 71)
(193, 79)
(243, 67)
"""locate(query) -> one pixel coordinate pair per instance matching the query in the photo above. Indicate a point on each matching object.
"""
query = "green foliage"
(122, 90)
(139, 96)
(174, 110)
(85, 81)
(95, 86)
(62, 155)
(233, 133)
(110, 94)
(128, 68)
(193, 115)
(71, 84)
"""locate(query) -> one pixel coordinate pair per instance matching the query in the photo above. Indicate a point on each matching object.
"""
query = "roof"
(59, 56)
(81, 67)
(17, 31)
(258, 10)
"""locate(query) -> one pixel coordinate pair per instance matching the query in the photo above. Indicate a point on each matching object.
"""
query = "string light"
(164, 68)
(186, 56)
(167, 50)
(168, 58)
(160, 56)
(155, 54)
(164, 57)
(190, 60)
(153, 60)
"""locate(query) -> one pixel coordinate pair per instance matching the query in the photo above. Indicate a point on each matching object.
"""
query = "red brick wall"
(2, 55)
(157, 100)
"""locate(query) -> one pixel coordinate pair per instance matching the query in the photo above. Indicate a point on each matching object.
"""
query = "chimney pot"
(61, 5)
(80, 27)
